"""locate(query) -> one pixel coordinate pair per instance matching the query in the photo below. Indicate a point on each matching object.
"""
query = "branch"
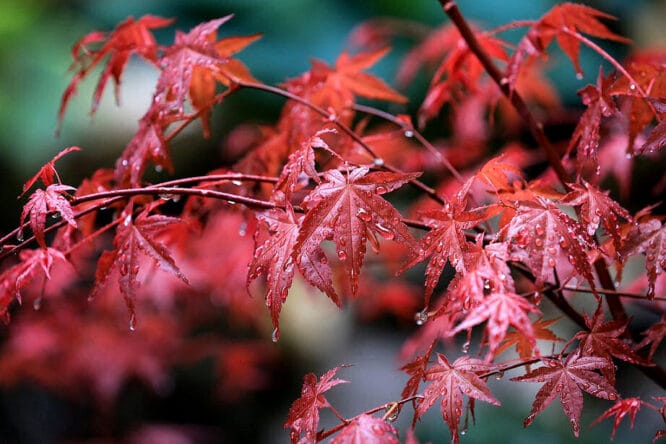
(535, 127)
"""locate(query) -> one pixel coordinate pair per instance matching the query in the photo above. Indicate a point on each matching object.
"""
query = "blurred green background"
(35, 39)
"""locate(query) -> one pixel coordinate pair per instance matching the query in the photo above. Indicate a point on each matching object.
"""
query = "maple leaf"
(566, 380)
(301, 165)
(603, 340)
(416, 369)
(650, 238)
(561, 23)
(347, 209)
(599, 103)
(13, 279)
(598, 208)
(134, 240)
(654, 335)
(366, 429)
(130, 37)
(274, 258)
(303, 417)
(656, 140)
(541, 232)
(42, 202)
(450, 382)
(446, 241)
(620, 409)
(348, 72)
(499, 310)
(524, 344)
(48, 172)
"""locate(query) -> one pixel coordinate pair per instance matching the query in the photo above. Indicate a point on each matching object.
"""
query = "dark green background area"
(35, 39)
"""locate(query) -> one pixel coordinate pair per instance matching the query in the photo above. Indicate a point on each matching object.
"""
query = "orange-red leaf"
(40, 204)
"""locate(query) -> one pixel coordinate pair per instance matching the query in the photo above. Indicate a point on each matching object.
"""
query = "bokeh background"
(35, 38)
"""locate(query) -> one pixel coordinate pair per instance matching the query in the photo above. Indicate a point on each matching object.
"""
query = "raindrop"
(465, 347)
(19, 236)
(421, 317)
(499, 375)
(363, 215)
(55, 215)
(385, 232)
(579, 75)
(378, 162)
(275, 336)
(487, 287)
(128, 220)
(632, 86)
(628, 156)
(409, 133)
(37, 304)
(124, 162)
(132, 322)
(463, 431)
(342, 255)
(166, 196)
(237, 182)
(242, 230)
(381, 189)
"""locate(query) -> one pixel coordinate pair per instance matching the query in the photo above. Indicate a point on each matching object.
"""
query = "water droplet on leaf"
(421, 317)
(275, 336)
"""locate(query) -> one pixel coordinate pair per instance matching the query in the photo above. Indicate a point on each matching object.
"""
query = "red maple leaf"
(348, 75)
(598, 208)
(499, 310)
(129, 37)
(649, 238)
(446, 241)
(540, 232)
(524, 344)
(274, 258)
(347, 209)
(654, 335)
(566, 380)
(656, 140)
(603, 340)
(42, 202)
(48, 172)
(416, 369)
(366, 429)
(561, 23)
(303, 418)
(13, 279)
(135, 240)
(620, 409)
(597, 98)
(450, 382)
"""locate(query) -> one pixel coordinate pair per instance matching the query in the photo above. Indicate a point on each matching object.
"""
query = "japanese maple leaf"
(566, 380)
(564, 23)
(13, 279)
(348, 208)
(620, 409)
(42, 202)
(130, 37)
(416, 369)
(654, 335)
(348, 74)
(598, 208)
(274, 259)
(450, 382)
(147, 145)
(446, 241)
(524, 344)
(599, 103)
(135, 240)
(48, 172)
(649, 238)
(498, 174)
(499, 310)
(656, 140)
(303, 418)
(366, 429)
(603, 340)
(541, 232)
(193, 61)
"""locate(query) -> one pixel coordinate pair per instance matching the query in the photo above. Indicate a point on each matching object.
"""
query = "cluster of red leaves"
(314, 185)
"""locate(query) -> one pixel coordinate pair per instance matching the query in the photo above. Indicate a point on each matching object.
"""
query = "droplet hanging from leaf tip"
(465, 347)
(275, 336)
(421, 317)
(132, 322)
(37, 304)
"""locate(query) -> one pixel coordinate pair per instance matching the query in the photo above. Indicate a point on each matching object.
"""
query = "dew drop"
(463, 431)
(628, 156)
(37, 304)
(421, 317)
(465, 347)
(385, 232)
(237, 183)
(378, 162)
(363, 215)
(124, 162)
(579, 75)
(409, 133)
(19, 236)
(275, 336)
(128, 220)
(632, 86)
(166, 196)
(342, 255)
(132, 322)
(381, 189)
(242, 230)
(499, 375)
(487, 287)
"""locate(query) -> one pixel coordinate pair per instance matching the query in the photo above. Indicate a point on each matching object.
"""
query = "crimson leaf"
(366, 429)
(40, 204)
